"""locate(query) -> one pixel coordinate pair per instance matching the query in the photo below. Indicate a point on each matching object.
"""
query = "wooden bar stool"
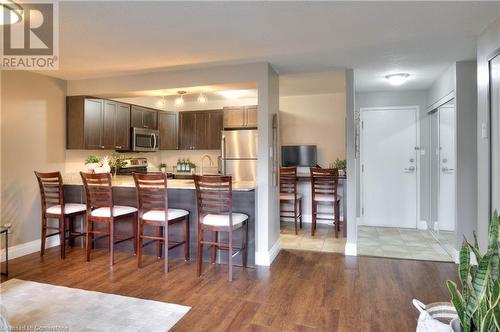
(289, 195)
(152, 202)
(214, 201)
(53, 207)
(101, 210)
(324, 183)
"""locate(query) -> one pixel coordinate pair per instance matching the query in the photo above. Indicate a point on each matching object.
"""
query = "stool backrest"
(324, 181)
(214, 195)
(51, 189)
(151, 191)
(98, 189)
(288, 180)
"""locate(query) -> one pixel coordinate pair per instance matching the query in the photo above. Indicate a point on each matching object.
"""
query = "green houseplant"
(341, 164)
(478, 305)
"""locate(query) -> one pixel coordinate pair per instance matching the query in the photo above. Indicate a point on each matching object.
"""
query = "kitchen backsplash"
(75, 158)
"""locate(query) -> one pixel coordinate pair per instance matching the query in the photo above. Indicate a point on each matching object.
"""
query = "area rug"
(33, 306)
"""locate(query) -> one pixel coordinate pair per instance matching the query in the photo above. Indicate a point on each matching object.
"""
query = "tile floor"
(400, 243)
(324, 240)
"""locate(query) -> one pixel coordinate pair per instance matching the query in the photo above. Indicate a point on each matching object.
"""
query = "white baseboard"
(422, 225)
(28, 248)
(351, 249)
(267, 257)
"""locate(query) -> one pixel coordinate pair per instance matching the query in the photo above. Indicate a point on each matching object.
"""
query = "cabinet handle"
(118, 147)
(102, 146)
(145, 126)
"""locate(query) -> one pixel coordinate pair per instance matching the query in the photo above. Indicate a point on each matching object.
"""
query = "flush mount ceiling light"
(10, 12)
(179, 101)
(202, 98)
(161, 102)
(397, 79)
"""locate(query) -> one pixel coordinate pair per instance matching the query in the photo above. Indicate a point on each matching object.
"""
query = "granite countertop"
(128, 181)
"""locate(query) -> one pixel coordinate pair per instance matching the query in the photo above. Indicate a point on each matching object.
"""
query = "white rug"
(34, 305)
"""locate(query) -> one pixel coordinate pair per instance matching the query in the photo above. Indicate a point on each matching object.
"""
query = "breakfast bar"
(181, 195)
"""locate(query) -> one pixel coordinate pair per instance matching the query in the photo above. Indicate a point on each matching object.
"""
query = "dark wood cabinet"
(200, 130)
(94, 123)
(143, 117)
(240, 117)
(167, 125)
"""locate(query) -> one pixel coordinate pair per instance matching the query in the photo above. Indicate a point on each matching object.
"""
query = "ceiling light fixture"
(202, 98)
(10, 12)
(397, 79)
(179, 101)
(162, 102)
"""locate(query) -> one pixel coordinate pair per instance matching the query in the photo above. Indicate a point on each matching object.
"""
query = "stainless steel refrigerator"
(239, 154)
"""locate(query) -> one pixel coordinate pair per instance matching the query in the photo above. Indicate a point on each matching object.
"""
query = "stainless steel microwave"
(145, 140)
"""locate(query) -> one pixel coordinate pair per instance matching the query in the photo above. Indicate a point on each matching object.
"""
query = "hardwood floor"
(301, 291)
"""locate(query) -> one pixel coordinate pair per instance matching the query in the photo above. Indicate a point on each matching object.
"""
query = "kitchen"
(138, 134)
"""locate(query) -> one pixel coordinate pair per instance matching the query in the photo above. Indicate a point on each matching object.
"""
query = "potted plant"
(163, 167)
(115, 163)
(92, 162)
(478, 304)
(341, 164)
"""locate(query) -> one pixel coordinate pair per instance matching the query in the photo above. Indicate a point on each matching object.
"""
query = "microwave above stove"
(145, 140)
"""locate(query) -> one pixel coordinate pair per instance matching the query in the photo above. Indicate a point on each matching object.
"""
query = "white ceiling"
(375, 38)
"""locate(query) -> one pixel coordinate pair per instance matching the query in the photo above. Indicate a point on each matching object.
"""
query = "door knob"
(410, 169)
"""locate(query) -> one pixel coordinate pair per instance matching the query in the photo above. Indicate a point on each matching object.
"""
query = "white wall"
(488, 44)
(33, 138)
(315, 119)
(352, 171)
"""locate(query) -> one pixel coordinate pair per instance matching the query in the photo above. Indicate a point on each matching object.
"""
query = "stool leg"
(158, 233)
(313, 224)
(89, 237)
(245, 244)
(111, 242)
(186, 238)
(134, 233)
(230, 255)
(139, 244)
(295, 216)
(213, 249)
(300, 212)
(71, 231)
(337, 219)
(62, 235)
(165, 247)
(199, 256)
(44, 235)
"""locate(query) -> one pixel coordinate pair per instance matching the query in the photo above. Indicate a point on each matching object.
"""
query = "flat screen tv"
(298, 155)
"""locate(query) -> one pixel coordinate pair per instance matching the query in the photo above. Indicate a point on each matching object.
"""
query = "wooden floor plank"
(302, 291)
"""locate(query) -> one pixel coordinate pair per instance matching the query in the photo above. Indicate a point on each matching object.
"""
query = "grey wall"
(488, 43)
(403, 98)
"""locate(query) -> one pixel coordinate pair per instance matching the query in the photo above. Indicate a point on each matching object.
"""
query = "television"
(298, 155)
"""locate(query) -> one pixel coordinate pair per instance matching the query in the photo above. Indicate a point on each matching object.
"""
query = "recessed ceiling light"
(10, 12)
(397, 79)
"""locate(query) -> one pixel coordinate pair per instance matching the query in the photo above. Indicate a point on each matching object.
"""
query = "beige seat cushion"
(223, 219)
(118, 210)
(159, 215)
(68, 208)
(288, 197)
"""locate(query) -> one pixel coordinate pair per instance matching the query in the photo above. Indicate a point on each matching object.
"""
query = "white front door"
(446, 210)
(389, 167)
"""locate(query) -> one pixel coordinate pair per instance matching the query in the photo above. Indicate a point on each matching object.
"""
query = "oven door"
(145, 140)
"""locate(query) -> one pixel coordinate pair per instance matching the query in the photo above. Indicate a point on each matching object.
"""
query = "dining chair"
(101, 210)
(214, 201)
(290, 196)
(54, 207)
(324, 184)
(152, 202)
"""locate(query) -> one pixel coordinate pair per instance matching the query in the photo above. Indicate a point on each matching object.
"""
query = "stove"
(133, 165)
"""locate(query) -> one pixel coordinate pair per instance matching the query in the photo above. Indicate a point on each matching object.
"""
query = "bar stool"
(101, 210)
(214, 201)
(152, 202)
(324, 183)
(52, 199)
(289, 195)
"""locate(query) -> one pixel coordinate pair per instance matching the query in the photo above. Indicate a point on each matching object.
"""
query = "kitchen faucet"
(203, 160)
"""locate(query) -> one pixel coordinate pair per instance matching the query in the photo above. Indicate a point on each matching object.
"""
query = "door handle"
(410, 169)
(446, 169)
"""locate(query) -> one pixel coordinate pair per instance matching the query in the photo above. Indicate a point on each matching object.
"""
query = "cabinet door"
(234, 117)
(122, 127)
(201, 130)
(149, 119)
(187, 127)
(93, 109)
(215, 127)
(167, 125)
(108, 125)
(136, 117)
(251, 116)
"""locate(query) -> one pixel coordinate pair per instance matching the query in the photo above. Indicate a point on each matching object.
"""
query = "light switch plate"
(484, 130)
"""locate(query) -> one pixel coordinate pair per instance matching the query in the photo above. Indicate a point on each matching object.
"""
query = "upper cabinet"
(240, 117)
(167, 125)
(143, 117)
(94, 123)
(200, 130)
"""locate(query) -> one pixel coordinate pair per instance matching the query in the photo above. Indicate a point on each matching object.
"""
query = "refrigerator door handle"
(223, 152)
